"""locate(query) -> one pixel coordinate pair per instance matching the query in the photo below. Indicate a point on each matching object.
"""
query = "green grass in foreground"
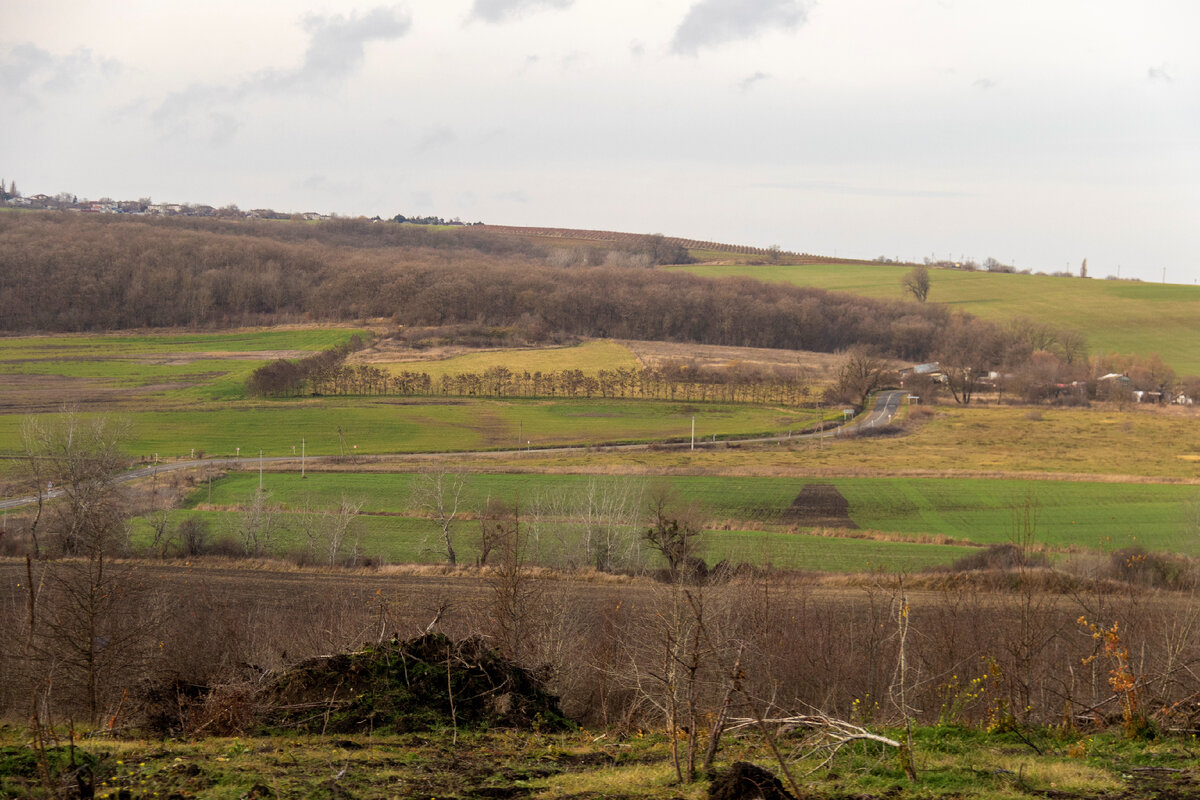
(1116, 316)
(951, 762)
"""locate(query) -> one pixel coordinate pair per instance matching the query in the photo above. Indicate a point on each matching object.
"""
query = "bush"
(999, 556)
(1152, 570)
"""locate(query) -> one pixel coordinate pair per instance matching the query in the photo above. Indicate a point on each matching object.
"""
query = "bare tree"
(674, 530)
(609, 510)
(439, 495)
(515, 593)
(79, 458)
(258, 525)
(90, 626)
(328, 530)
(968, 349)
(916, 283)
(861, 374)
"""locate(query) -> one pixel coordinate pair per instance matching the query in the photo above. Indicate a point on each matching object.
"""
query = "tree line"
(284, 378)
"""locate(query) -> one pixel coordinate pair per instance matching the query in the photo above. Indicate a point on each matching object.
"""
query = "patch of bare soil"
(41, 393)
(1162, 784)
(182, 359)
(390, 351)
(819, 505)
(708, 355)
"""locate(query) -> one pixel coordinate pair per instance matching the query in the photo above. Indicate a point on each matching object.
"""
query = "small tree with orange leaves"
(1120, 676)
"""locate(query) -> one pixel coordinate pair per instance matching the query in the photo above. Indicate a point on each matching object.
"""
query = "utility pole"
(302, 475)
(260, 469)
(693, 431)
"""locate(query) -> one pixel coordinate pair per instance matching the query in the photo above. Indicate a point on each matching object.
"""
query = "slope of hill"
(1116, 316)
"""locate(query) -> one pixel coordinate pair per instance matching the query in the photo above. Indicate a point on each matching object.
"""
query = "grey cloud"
(323, 184)
(747, 83)
(336, 47)
(501, 10)
(514, 196)
(710, 23)
(437, 138)
(27, 70)
(422, 200)
(222, 128)
(984, 84)
(336, 50)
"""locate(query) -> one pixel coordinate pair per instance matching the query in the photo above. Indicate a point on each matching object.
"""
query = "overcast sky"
(1039, 132)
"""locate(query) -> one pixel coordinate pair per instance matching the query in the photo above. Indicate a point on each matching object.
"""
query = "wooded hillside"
(61, 272)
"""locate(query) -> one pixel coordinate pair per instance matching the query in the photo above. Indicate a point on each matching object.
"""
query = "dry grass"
(1101, 443)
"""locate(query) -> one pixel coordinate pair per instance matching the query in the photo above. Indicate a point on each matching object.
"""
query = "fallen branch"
(837, 733)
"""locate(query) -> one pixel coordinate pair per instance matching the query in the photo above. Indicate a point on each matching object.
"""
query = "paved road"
(886, 406)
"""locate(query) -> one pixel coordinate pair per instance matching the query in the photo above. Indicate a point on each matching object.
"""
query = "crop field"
(392, 425)
(589, 358)
(149, 368)
(1116, 316)
(1060, 514)
(413, 540)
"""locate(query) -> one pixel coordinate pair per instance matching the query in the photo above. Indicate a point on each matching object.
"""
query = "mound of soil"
(819, 505)
(746, 781)
(423, 683)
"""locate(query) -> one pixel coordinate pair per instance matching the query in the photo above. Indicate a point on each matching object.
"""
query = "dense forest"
(65, 272)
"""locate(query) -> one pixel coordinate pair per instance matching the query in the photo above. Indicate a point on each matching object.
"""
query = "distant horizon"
(919, 261)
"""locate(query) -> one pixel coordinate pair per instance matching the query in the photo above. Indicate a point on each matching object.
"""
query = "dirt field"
(820, 365)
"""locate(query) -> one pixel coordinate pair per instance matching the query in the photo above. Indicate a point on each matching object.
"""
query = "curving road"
(886, 405)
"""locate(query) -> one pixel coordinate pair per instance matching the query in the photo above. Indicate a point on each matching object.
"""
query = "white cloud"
(710, 23)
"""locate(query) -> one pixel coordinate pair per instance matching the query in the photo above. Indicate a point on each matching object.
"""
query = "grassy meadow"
(151, 368)
(906, 522)
(370, 426)
(1116, 316)
(956, 441)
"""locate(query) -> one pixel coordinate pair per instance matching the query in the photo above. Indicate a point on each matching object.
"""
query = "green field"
(392, 425)
(589, 358)
(154, 368)
(1116, 316)
(1065, 514)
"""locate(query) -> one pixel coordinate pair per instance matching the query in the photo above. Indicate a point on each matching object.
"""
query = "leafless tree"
(674, 530)
(80, 458)
(608, 511)
(439, 494)
(258, 525)
(860, 375)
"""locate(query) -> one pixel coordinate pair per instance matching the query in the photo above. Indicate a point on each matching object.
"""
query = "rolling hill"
(1116, 316)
